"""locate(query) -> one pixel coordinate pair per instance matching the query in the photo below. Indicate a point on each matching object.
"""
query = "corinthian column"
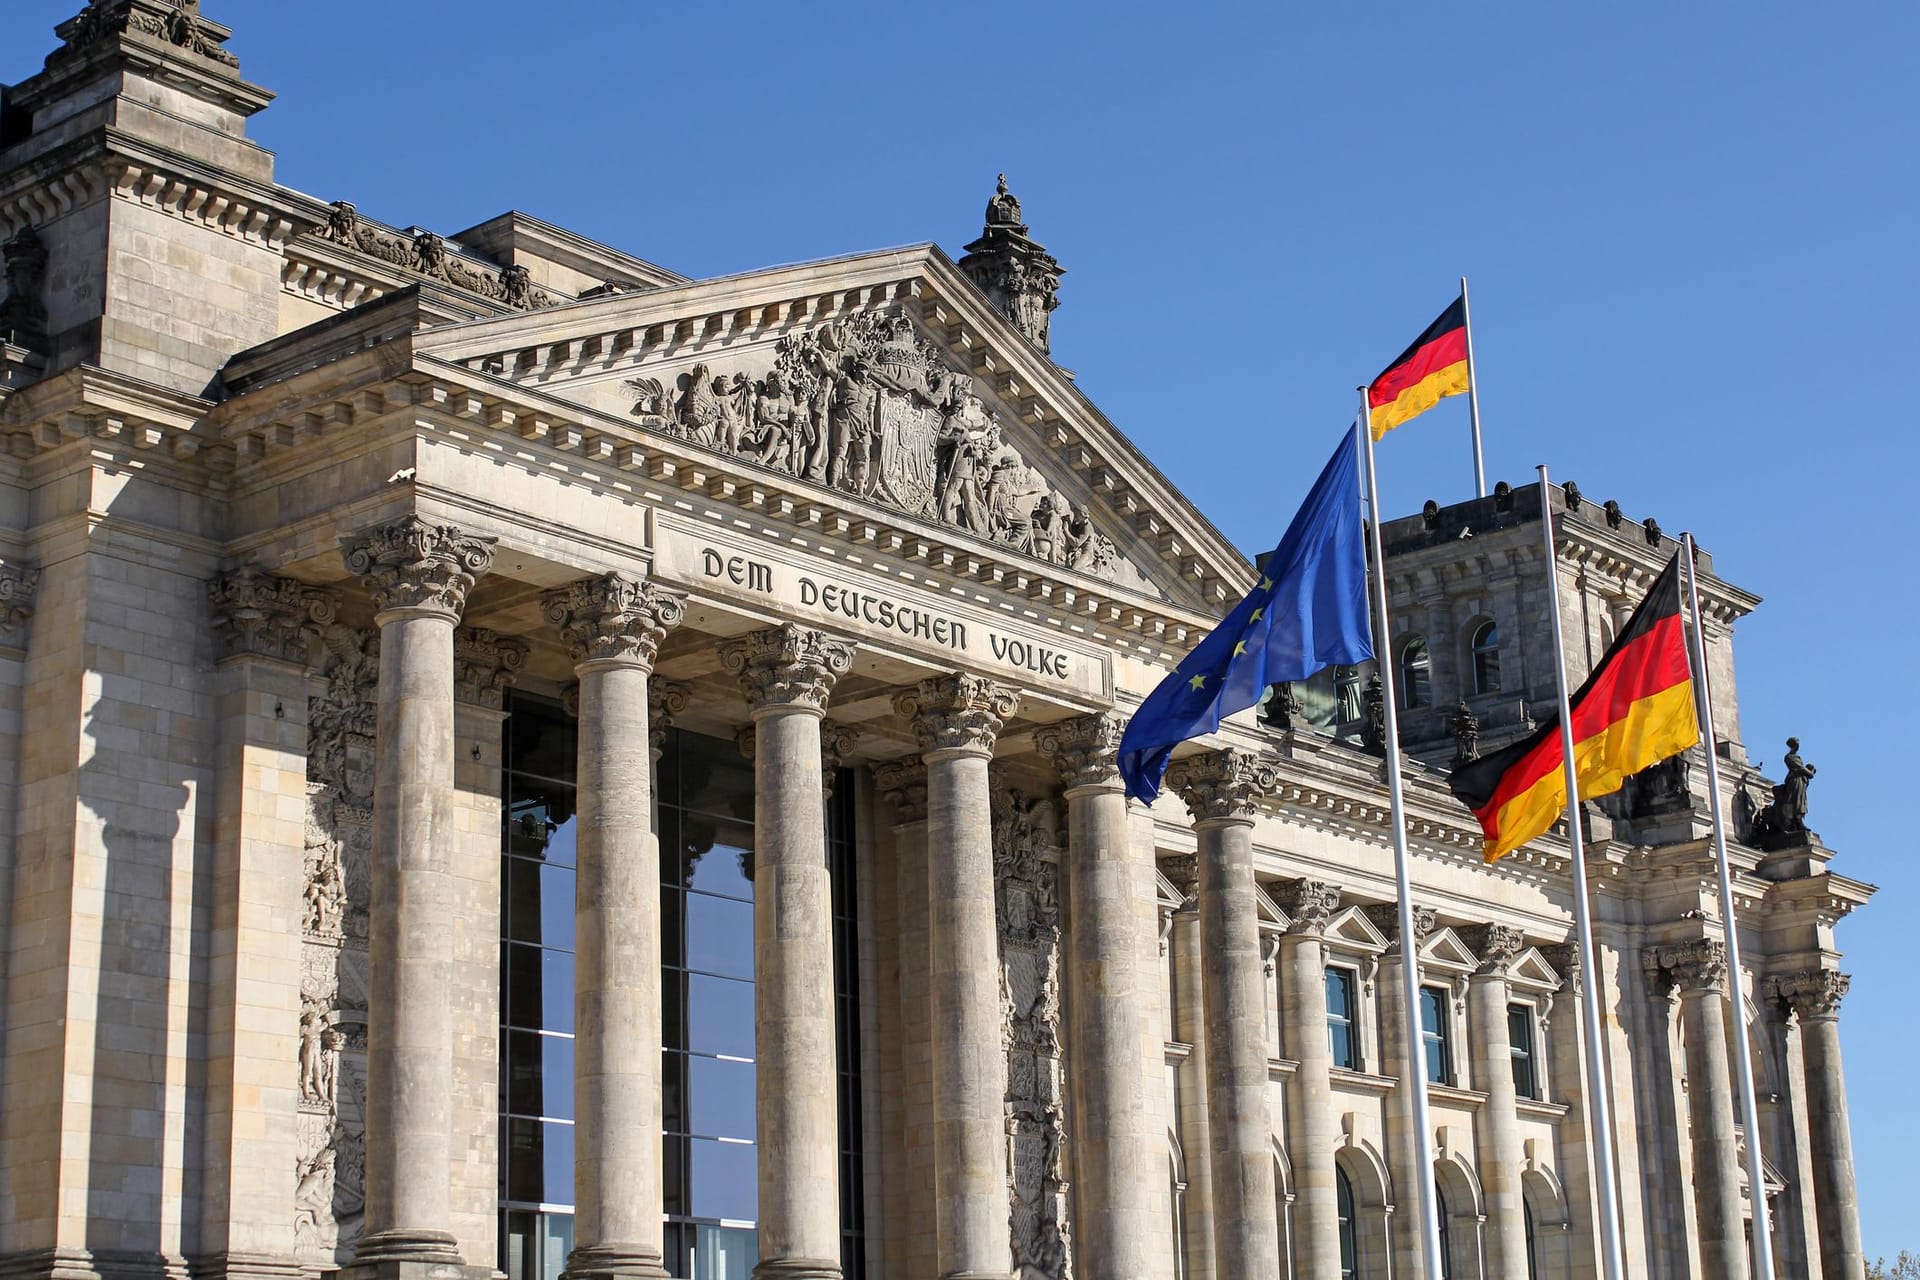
(957, 719)
(1815, 997)
(787, 674)
(1221, 789)
(1699, 970)
(419, 575)
(1497, 1135)
(1399, 1058)
(612, 627)
(1113, 1156)
(1313, 1121)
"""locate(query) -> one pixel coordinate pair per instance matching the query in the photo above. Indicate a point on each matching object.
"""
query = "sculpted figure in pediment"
(699, 409)
(968, 441)
(850, 429)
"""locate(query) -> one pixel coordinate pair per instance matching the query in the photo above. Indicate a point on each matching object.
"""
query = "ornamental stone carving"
(18, 583)
(1386, 918)
(426, 254)
(1813, 993)
(1224, 785)
(957, 712)
(1019, 276)
(1466, 735)
(614, 619)
(903, 785)
(23, 316)
(868, 407)
(485, 664)
(666, 702)
(787, 666)
(1182, 870)
(1495, 946)
(263, 616)
(837, 742)
(1694, 964)
(1565, 959)
(1310, 904)
(178, 22)
(1085, 749)
(410, 564)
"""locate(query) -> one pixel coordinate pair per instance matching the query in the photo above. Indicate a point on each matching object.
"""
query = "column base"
(972, 1275)
(614, 1262)
(68, 1263)
(409, 1255)
(802, 1269)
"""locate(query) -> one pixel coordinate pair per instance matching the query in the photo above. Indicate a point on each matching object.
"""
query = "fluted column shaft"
(1313, 1121)
(1221, 789)
(1114, 1213)
(1497, 1133)
(419, 576)
(787, 674)
(1815, 997)
(957, 719)
(613, 627)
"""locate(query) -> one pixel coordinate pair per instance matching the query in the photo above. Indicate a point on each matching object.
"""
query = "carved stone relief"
(1027, 844)
(330, 1159)
(177, 22)
(23, 316)
(427, 254)
(869, 407)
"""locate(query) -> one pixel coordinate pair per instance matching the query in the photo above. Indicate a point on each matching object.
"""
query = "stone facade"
(297, 504)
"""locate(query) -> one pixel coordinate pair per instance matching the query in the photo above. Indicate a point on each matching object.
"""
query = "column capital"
(903, 785)
(18, 582)
(1692, 965)
(1813, 994)
(666, 701)
(1309, 904)
(1085, 749)
(614, 619)
(258, 615)
(1386, 918)
(958, 712)
(410, 564)
(1183, 869)
(1565, 959)
(485, 663)
(787, 666)
(1223, 786)
(837, 742)
(1494, 946)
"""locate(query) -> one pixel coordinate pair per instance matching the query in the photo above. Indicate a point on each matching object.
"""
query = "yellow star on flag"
(1239, 648)
(1256, 615)
(1266, 583)
(1198, 682)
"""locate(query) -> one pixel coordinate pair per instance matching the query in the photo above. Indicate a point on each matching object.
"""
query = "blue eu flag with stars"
(1308, 611)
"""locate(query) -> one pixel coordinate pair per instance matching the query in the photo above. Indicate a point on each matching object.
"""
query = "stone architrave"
(787, 673)
(957, 719)
(1113, 1154)
(1814, 995)
(1223, 790)
(419, 575)
(1501, 1155)
(612, 627)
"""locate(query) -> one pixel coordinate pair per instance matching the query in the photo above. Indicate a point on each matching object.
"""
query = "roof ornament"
(178, 22)
(1019, 277)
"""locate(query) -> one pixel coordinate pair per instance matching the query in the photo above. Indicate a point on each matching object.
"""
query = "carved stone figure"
(699, 409)
(178, 22)
(1466, 734)
(23, 316)
(1783, 822)
(1373, 734)
(516, 286)
(1019, 276)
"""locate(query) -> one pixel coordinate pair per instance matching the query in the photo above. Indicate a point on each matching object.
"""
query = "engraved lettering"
(809, 592)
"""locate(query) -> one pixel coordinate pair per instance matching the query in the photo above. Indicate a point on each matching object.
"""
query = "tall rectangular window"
(1526, 1077)
(1342, 1034)
(1436, 1034)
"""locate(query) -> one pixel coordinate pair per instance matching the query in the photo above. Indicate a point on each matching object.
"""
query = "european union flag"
(1308, 611)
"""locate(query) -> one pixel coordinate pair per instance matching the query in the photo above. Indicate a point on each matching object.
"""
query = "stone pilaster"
(1113, 1153)
(957, 719)
(1698, 970)
(1313, 1120)
(1497, 1131)
(787, 674)
(1402, 1059)
(612, 626)
(1814, 995)
(1189, 1027)
(1222, 790)
(419, 575)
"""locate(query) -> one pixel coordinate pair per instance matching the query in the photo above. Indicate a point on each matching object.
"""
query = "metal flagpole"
(1473, 395)
(1736, 982)
(1598, 1099)
(1413, 1074)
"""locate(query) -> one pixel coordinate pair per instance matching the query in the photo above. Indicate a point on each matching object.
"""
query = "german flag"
(1427, 372)
(1636, 709)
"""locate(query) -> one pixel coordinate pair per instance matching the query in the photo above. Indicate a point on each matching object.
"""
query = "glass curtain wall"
(709, 1175)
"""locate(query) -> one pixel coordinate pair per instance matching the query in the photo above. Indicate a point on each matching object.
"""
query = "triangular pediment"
(1443, 949)
(1530, 969)
(1269, 912)
(1353, 930)
(881, 384)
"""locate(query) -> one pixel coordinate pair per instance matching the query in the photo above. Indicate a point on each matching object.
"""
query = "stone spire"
(1019, 276)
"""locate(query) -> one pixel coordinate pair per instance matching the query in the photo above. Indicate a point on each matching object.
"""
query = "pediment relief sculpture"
(868, 407)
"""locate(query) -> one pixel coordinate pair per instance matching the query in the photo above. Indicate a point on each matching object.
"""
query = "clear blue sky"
(1690, 230)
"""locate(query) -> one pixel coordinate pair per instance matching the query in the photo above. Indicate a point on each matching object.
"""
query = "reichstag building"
(518, 762)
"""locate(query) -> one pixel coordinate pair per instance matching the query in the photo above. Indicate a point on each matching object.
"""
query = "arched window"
(1486, 658)
(1349, 1238)
(1445, 1216)
(1416, 674)
(1533, 1242)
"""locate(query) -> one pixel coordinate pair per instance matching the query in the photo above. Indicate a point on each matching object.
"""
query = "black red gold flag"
(1434, 367)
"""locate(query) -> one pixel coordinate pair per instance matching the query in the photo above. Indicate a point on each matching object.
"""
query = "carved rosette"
(1310, 904)
(412, 565)
(18, 582)
(1085, 749)
(666, 701)
(614, 619)
(1223, 786)
(1813, 994)
(259, 615)
(903, 785)
(787, 666)
(958, 712)
(1183, 870)
(485, 664)
(1386, 918)
(1495, 945)
(1565, 959)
